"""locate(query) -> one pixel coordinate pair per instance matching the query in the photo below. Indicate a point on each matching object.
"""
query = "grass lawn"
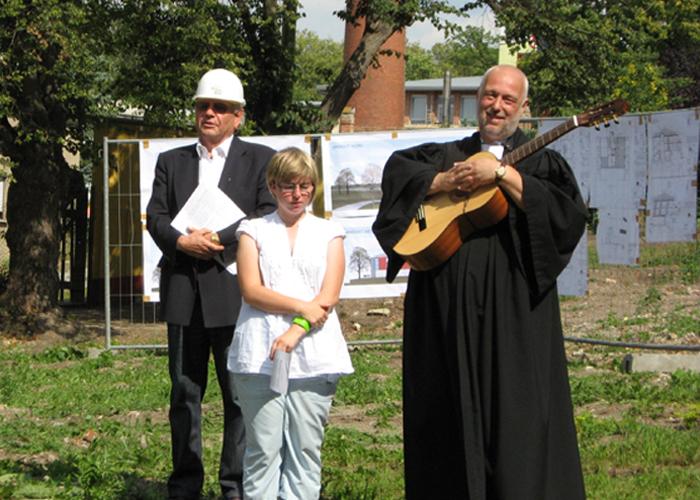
(73, 427)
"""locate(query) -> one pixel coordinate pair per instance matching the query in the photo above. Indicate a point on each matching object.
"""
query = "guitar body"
(447, 220)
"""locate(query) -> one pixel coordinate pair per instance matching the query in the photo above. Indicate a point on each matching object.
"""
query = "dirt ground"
(614, 294)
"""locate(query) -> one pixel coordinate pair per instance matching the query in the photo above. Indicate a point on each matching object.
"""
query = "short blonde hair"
(290, 164)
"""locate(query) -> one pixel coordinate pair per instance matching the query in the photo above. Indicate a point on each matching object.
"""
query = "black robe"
(487, 406)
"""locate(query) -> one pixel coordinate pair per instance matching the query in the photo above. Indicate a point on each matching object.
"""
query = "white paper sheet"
(207, 207)
(279, 379)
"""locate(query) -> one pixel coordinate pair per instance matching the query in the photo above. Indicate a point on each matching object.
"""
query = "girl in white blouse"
(290, 269)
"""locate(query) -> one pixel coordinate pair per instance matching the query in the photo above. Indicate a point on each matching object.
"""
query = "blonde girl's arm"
(259, 296)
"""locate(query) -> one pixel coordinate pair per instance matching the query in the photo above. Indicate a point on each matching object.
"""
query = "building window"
(468, 110)
(440, 102)
(419, 109)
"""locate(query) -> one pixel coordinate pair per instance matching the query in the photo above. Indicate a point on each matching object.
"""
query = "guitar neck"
(539, 142)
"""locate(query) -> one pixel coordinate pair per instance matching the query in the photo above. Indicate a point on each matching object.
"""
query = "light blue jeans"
(284, 434)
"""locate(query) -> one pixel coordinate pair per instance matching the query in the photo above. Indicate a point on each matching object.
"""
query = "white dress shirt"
(495, 149)
(210, 168)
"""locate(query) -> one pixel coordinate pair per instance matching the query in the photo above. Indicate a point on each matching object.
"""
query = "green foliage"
(678, 52)
(642, 84)
(405, 13)
(47, 73)
(589, 52)
(468, 52)
(420, 63)
(60, 353)
(318, 62)
(170, 45)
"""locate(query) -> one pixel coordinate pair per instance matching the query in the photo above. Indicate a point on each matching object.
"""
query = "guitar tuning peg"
(615, 119)
(596, 124)
(606, 123)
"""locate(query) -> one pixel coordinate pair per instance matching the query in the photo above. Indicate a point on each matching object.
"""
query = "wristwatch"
(500, 173)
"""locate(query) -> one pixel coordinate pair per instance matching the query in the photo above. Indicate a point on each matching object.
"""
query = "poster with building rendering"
(352, 171)
(674, 140)
(610, 166)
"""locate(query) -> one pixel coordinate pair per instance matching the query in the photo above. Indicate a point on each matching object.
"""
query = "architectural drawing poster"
(610, 166)
(674, 140)
(352, 172)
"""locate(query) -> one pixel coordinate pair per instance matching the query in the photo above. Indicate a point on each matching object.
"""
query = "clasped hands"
(199, 243)
(316, 314)
(467, 175)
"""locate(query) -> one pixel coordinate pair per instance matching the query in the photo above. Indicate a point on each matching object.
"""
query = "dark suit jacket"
(176, 177)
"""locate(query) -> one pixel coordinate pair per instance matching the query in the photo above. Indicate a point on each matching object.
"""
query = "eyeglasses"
(305, 188)
(218, 107)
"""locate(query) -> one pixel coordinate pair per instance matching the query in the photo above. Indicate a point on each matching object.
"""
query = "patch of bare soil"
(622, 302)
(361, 418)
(628, 292)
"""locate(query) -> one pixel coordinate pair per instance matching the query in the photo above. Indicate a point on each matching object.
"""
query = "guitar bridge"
(420, 218)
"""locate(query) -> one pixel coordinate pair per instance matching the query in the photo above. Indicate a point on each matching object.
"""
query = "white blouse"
(298, 273)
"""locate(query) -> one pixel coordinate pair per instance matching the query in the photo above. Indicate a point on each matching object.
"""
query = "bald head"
(502, 98)
(505, 68)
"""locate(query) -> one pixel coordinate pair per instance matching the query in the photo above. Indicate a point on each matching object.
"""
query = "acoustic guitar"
(445, 220)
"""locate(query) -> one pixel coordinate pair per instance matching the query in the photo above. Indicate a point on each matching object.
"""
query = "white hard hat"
(220, 84)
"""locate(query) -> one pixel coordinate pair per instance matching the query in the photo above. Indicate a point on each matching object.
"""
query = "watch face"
(500, 172)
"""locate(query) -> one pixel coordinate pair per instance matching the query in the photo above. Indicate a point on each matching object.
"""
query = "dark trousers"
(189, 348)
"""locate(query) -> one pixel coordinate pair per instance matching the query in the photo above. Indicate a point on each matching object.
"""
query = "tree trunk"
(34, 205)
(354, 71)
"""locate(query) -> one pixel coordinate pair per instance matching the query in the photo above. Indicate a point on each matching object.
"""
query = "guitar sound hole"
(457, 195)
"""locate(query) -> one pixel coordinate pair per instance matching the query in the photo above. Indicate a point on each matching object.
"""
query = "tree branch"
(354, 71)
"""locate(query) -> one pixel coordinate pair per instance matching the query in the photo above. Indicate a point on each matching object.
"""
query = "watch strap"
(500, 173)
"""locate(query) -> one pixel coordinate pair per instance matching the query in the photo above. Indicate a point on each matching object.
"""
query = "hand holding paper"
(198, 243)
(279, 378)
(207, 210)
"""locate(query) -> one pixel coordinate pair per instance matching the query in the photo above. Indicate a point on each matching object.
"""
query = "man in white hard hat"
(200, 298)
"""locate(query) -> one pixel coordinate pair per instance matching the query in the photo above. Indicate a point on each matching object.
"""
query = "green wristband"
(302, 322)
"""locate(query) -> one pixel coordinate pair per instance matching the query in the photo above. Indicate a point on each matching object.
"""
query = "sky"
(320, 19)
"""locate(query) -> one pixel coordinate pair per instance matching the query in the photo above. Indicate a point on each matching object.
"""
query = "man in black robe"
(487, 406)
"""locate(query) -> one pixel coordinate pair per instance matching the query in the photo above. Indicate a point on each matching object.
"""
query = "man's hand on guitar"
(478, 170)
(467, 175)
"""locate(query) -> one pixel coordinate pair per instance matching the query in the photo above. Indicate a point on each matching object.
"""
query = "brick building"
(425, 102)
(379, 102)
